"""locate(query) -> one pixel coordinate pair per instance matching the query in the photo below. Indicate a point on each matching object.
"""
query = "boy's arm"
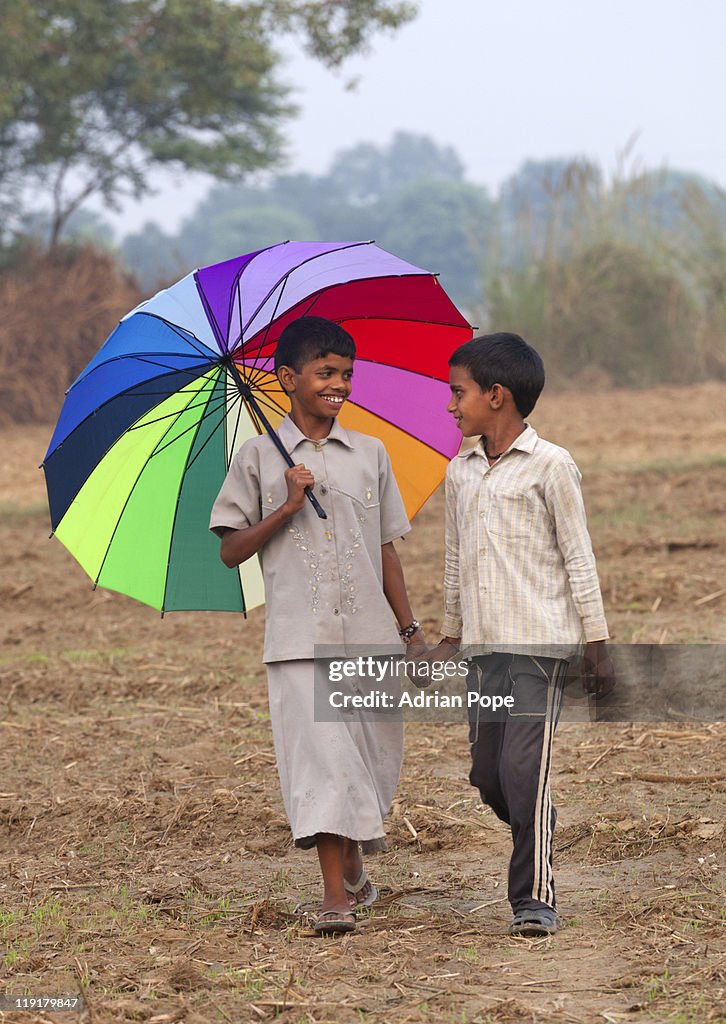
(394, 587)
(452, 624)
(563, 496)
(239, 545)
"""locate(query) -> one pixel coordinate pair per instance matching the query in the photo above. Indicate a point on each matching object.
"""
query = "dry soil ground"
(145, 860)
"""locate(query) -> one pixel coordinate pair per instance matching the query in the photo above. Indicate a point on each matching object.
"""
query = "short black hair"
(311, 337)
(505, 359)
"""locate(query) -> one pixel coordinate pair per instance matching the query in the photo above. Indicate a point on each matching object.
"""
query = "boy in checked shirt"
(521, 594)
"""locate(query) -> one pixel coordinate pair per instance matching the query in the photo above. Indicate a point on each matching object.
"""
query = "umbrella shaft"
(248, 396)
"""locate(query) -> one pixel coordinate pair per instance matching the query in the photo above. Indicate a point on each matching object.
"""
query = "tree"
(546, 207)
(443, 226)
(154, 257)
(610, 313)
(95, 92)
(365, 174)
(246, 226)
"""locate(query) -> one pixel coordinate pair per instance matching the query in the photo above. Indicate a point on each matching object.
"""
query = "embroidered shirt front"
(323, 577)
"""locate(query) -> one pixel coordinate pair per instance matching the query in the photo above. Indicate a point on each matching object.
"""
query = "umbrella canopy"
(148, 430)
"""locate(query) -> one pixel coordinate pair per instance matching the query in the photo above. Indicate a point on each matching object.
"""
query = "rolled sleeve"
(563, 496)
(238, 502)
(452, 624)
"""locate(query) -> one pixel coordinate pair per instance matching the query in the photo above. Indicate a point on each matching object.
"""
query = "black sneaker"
(531, 923)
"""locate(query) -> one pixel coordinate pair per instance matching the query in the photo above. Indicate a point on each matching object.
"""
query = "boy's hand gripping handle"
(248, 396)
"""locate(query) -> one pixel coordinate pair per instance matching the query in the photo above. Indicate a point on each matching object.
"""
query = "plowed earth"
(145, 860)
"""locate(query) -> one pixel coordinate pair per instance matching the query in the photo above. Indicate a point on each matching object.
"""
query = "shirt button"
(318, 447)
(336, 611)
(323, 489)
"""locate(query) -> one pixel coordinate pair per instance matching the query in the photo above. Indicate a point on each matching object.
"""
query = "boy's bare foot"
(334, 920)
(361, 891)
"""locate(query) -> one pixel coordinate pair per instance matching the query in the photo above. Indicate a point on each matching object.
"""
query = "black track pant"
(511, 753)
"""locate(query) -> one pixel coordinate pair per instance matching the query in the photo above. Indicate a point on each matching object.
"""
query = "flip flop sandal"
(332, 921)
(356, 887)
(534, 922)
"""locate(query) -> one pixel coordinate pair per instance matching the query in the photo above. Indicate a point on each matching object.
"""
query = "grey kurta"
(336, 776)
(323, 585)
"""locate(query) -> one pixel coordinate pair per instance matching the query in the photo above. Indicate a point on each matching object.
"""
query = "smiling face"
(471, 407)
(319, 390)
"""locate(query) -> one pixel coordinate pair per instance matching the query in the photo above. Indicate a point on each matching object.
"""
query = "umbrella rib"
(269, 390)
(188, 463)
(255, 420)
(402, 369)
(113, 398)
(237, 283)
(270, 403)
(210, 410)
(128, 499)
(200, 347)
(338, 284)
(267, 329)
(257, 372)
(351, 245)
(178, 437)
(239, 303)
(187, 387)
(238, 399)
(143, 359)
(397, 426)
(213, 432)
(166, 366)
(283, 280)
(206, 305)
(408, 320)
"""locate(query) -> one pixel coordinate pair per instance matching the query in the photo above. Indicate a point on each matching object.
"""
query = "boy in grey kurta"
(332, 581)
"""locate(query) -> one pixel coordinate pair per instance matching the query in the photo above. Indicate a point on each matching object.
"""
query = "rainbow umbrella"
(148, 430)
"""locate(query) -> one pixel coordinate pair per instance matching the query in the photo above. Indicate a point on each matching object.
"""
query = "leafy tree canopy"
(93, 92)
(366, 173)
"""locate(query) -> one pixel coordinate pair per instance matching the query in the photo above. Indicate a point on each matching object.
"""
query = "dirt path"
(144, 855)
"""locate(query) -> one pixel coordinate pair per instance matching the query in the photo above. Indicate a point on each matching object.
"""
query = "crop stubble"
(145, 854)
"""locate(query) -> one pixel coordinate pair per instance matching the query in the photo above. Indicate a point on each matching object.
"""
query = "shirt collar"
(291, 435)
(526, 442)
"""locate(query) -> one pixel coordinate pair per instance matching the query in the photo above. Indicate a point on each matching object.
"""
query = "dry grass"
(146, 860)
(56, 307)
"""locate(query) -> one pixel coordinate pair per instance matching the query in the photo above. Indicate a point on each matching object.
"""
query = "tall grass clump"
(58, 307)
(617, 284)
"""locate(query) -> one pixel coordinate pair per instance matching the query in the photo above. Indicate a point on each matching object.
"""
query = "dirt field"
(144, 856)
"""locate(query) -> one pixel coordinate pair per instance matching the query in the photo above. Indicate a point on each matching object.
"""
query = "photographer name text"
(381, 699)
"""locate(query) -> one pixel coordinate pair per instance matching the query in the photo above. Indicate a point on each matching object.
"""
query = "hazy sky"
(505, 82)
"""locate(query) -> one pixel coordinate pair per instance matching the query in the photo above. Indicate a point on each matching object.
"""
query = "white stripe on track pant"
(511, 756)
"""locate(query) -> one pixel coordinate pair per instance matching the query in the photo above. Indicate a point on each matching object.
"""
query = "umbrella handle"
(286, 456)
(248, 396)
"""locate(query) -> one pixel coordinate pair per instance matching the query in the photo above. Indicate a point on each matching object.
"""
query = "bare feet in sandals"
(361, 891)
(329, 922)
